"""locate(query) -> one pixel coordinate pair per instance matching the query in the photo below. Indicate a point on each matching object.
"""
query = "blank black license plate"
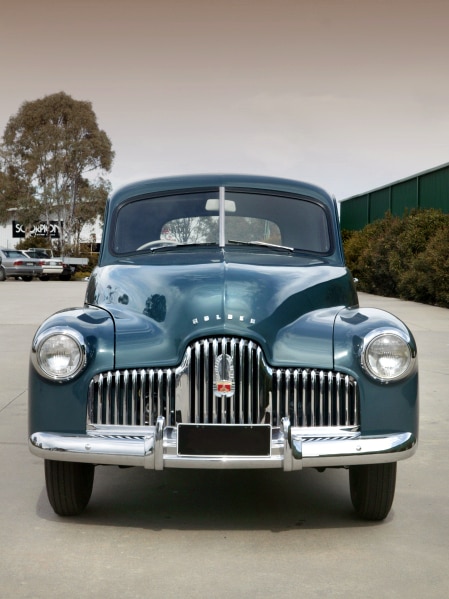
(224, 440)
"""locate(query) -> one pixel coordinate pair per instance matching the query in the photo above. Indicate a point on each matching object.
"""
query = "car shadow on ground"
(216, 500)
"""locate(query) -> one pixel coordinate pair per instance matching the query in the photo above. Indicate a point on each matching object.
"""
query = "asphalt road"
(196, 534)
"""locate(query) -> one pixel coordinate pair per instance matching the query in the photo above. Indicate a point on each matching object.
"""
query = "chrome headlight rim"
(80, 343)
(377, 334)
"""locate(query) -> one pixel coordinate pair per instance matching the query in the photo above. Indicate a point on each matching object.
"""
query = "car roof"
(192, 181)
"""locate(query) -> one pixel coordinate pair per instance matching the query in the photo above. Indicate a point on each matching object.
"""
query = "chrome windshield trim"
(221, 217)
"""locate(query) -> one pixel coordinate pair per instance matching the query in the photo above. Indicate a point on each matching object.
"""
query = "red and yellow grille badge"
(224, 375)
(224, 386)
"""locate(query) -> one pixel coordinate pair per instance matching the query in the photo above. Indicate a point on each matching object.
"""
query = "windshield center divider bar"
(221, 217)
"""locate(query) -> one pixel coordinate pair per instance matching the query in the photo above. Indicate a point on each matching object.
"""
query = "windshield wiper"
(272, 246)
(165, 245)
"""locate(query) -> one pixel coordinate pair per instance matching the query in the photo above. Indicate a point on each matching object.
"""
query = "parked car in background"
(51, 267)
(17, 265)
(221, 329)
(72, 263)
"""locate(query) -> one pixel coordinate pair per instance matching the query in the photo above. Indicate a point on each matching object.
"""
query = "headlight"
(387, 355)
(60, 354)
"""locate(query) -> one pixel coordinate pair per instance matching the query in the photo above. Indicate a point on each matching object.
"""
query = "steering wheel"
(156, 243)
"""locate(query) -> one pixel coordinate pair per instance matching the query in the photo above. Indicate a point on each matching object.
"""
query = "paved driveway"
(219, 534)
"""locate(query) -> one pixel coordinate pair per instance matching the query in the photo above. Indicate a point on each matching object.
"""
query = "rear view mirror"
(213, 203)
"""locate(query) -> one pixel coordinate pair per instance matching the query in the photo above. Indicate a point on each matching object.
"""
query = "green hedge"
(404, 257)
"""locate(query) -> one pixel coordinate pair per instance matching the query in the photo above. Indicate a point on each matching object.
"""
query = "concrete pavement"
(219, 534)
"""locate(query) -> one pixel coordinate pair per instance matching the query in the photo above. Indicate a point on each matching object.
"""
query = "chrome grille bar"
(309, 397)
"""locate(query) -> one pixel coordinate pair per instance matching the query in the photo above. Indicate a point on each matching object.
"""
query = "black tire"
(27, 278)
(2, 274)
(44, 277)
(69, 486)
(372, 489)
(65, 277)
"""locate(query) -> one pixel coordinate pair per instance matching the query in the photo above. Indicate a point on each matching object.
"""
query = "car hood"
(287, 305)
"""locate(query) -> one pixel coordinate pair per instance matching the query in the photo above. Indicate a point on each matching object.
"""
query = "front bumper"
(292, 448)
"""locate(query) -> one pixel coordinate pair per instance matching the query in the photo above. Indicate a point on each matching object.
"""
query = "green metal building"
(429, 189)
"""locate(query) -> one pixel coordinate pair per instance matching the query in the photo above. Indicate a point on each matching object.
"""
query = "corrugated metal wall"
(429, 189)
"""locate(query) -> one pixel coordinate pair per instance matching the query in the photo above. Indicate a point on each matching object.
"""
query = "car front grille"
(220, 381)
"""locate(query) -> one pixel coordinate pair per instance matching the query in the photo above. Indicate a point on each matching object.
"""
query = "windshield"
(221, 217)
(37, 254)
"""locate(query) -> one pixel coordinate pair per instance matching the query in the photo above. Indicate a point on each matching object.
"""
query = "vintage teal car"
(221, 329)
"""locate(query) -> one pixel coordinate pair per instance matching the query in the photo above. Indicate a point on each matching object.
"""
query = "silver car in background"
(15, 264)
(51, 267)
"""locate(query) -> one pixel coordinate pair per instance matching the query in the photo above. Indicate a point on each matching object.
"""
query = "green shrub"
(403, 257)
(34, 242)
(367, 255)
(427, 278)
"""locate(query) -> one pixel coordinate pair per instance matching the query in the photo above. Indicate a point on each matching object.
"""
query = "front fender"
(58, 405)
(384, 407)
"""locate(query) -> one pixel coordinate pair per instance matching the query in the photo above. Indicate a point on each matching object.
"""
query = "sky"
(348, 94)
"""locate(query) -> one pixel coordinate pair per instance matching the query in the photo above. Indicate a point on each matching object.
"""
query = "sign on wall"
(43, 229)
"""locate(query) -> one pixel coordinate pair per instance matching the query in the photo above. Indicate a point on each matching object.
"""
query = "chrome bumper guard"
(292, 448)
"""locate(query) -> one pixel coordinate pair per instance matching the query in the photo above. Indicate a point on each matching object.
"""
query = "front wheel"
(2, 274)
(372, 489)
(69, 486)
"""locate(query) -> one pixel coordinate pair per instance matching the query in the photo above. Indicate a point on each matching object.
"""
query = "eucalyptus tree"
(54, 160)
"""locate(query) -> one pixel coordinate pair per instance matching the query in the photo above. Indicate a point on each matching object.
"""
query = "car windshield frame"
(221, 217)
